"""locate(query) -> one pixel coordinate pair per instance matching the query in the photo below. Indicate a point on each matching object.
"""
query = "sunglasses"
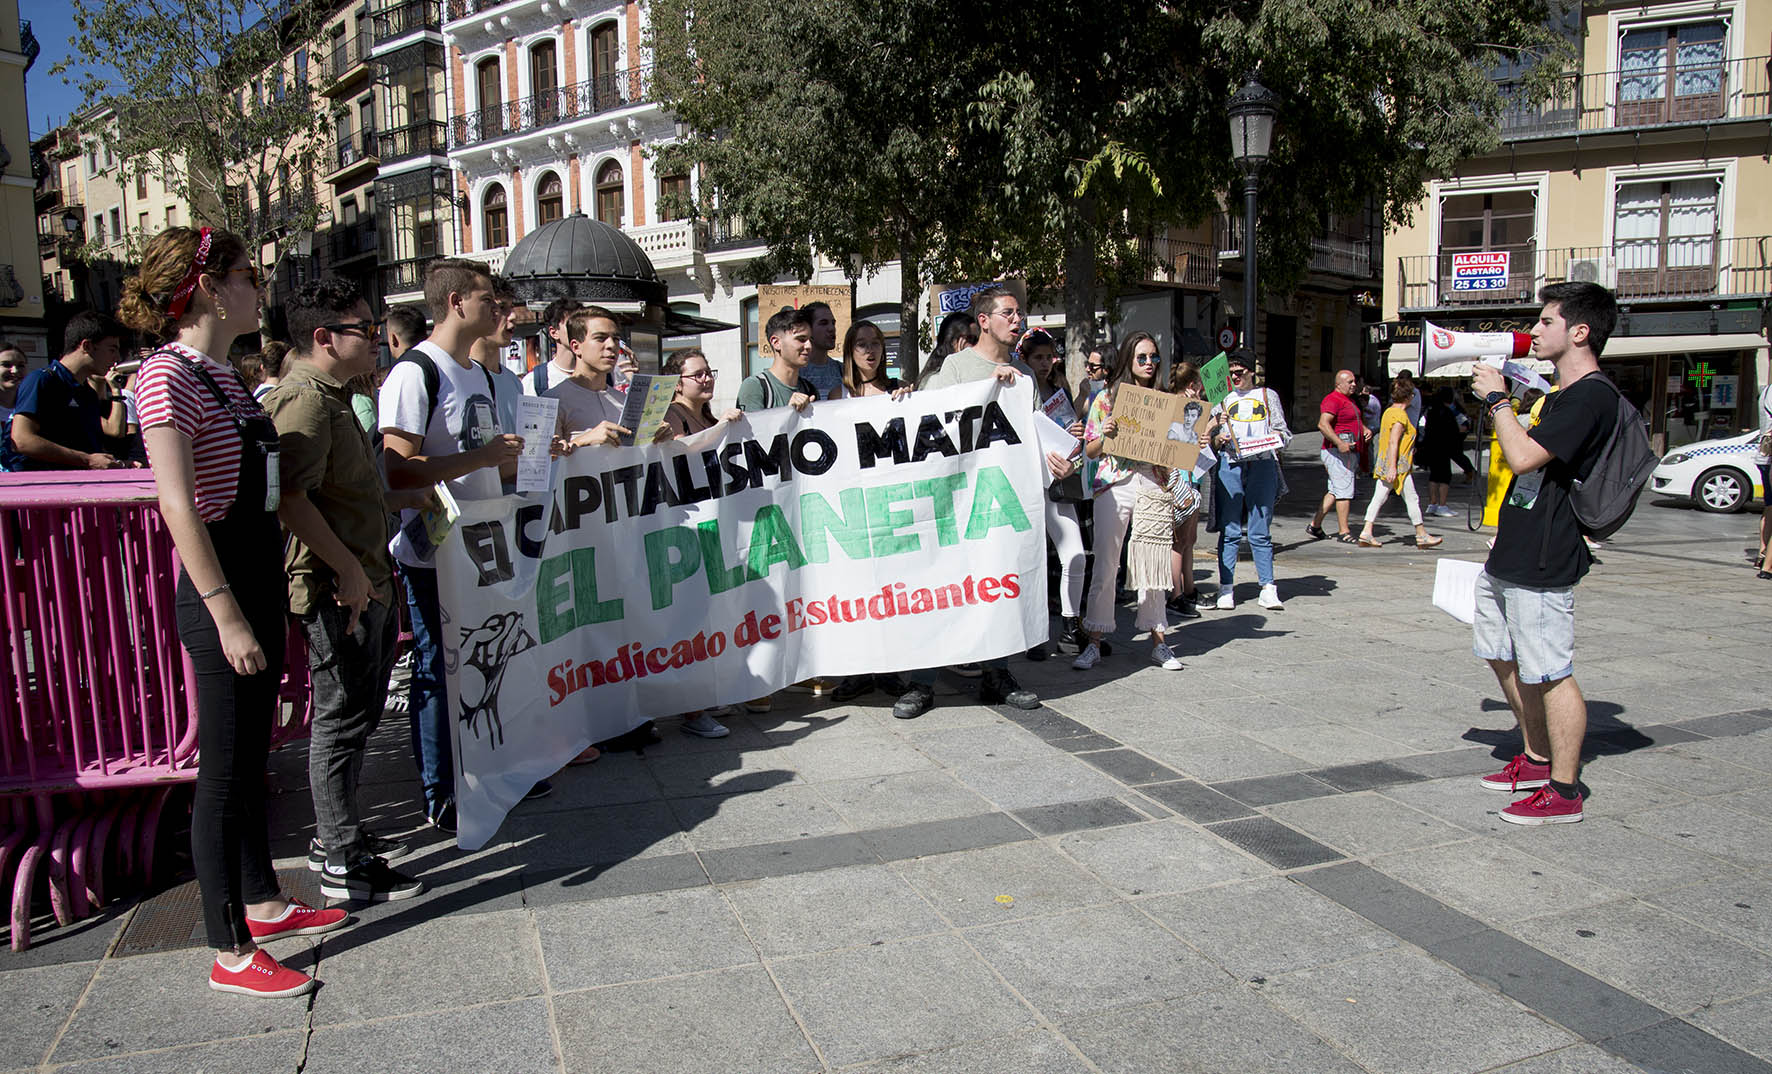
(368, 329)
(1094, 367)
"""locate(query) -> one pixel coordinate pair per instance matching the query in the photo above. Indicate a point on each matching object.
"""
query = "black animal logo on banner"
(486, 652)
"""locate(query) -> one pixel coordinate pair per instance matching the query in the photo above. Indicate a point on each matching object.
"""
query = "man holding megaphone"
(1525, 601)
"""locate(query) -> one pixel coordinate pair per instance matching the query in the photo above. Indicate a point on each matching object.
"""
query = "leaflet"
(649, 396)
(536, 418)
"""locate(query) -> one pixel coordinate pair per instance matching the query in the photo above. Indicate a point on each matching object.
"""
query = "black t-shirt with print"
(1538, 542)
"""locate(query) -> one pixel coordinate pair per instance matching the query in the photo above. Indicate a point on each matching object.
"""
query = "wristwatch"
(1495, 399)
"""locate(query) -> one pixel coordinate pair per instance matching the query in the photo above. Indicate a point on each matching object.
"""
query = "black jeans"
(230, 841)
(350, 675)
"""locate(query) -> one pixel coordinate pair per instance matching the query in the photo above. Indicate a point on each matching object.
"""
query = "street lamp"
(71, 222)
(1252, 110)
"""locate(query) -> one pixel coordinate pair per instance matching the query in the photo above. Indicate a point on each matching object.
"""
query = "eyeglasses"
(251, 274)
(1007, 315)
(706, 374)
(369, 329)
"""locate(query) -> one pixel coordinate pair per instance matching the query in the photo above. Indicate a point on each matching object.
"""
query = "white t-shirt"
(466, 417)
(1256, 418)
(581, 408)
(550, 375)
(510, 389)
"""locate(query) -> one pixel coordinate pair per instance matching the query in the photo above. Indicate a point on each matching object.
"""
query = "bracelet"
(1508, 403)
(223, 588)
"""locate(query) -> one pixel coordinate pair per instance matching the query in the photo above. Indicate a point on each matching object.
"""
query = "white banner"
(865, 535)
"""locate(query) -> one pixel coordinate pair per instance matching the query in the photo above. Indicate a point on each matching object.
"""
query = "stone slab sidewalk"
(1277, 860)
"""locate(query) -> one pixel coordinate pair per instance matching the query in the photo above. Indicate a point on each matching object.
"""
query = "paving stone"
(37, 1001)
(944, 836)
(1492, 881)
(1263, 928)
(1581, 1059)
(724, 771)
(1362, 825)
(1462, 762)
(1058, 777)
(1325, 743)
(881, 753)
(1093, 960)
(498, 1038)
(891, 801)
(1035, 1052)
(1624, 858)
(1676, 1047)
(368, 970)
(1267, 790)
(1745, 1023)
(853, 1002)
(1217, 758)
(732, 1021)
(1085, 743)
(1714, 829)
(271, 1053)
(639, 936)
(617, 779)
(1416, 917)
(1159, 857)
(1650, 953)
(126, 1008)
(599, 834)
(964, 887)
(1076, 816)
(1196, 801)
(1681, 769)
(1737, 906)
(789, 856)
(1047, 723)
(54, 945)
(1580, 1003)
(834, 908)
(1728, 724)
(1740, 751)
(1274, 843)
(1247, 1035)
(737, 820)
(1129, 766)
(608, 880)
(1376, 1006)
(1365, 776)
(969, 747)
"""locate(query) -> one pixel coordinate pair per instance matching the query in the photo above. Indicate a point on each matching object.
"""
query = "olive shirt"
(326, 454)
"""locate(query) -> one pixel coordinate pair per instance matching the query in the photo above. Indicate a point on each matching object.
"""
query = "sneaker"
(761, 704)
(442, 816)
(369, 880)
(299, 919)
(385, 849)
(261, 976)
(541, 789)
(1521, 774)
(1270, 598)
(968, 671)
(1226, 599)
(1184, 607)
(1088, 658)
(915, 702)
(1165, 658)
(852, 687)
(705, 726)
(1544, 806)
(1000, 688)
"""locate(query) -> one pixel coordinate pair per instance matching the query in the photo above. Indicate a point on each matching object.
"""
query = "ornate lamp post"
(1252, 110)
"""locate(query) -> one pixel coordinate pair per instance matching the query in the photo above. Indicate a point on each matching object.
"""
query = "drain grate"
(173, 919)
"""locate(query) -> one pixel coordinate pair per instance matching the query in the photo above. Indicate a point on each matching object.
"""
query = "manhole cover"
(173, 920)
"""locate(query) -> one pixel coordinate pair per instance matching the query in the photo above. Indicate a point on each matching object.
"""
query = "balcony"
(725, 233)
(352, 155)
(348, 58)
(540, 111)
(672, 244)
(351, 241)
(1692, 93)
(404, 277)
(1332, 255)
(28, 45)
(1636, 270)
(400, 20)
(423, 138)
(1172, 262)
(461, 9)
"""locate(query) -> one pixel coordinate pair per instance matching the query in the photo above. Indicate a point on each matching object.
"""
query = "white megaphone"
(1441, 346)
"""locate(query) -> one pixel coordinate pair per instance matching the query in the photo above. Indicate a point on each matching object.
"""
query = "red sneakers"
(299, 920)
(263, 976)
(1544, 806)
(1521, 774)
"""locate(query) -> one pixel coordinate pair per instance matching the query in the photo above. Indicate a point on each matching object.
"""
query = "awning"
(1635, 346)
(1408, 356)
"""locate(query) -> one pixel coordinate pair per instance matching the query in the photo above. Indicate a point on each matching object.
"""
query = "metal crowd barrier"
(98, 719)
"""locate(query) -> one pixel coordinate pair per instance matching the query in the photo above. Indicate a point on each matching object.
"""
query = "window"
(258, 91)
(544, 82)
(550, 202)
(116, 222)
(278, 85)
(141, 184)
(674, 197)
(73, 183)
(172, 216)
(1665, 236)
(491, 112)
(1501, 222)
(366, 117)
(301, 68)
(98, 227)
(605, 65)
(494, 221)
(1672, 74)
(141, 223)
(92, 159)
(609, 194)
(110, 157)
(753, 362)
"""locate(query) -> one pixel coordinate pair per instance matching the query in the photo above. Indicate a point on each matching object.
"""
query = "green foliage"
(196, 104)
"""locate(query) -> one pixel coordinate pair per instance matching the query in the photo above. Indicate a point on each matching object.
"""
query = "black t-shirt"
(1538, 542)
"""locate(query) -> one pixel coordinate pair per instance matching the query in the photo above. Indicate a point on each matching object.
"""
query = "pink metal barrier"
(98, 720)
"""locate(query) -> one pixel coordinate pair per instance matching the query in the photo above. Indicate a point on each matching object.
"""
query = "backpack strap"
(538, 378)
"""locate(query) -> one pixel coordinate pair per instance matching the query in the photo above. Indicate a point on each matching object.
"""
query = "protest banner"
(867, 535)
(772, 297)
(1156, 427)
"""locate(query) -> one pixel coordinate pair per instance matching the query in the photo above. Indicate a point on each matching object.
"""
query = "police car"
(1716, 475)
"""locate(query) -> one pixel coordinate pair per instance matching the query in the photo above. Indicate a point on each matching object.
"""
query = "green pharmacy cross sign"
(1701, 375)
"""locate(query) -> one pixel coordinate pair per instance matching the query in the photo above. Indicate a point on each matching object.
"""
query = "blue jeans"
(1245, 502)
(428, 706)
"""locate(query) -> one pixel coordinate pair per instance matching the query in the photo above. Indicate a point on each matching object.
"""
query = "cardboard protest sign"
(1157, 427)
(772, 297)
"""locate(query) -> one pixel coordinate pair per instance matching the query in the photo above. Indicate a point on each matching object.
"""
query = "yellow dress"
(1396, 417)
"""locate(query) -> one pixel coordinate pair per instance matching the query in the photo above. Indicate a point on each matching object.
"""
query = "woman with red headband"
(214, 453)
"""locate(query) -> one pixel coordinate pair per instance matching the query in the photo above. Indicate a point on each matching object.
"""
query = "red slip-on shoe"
(262, 976)
(299, 920)
(1521, 774)
(1544, 806)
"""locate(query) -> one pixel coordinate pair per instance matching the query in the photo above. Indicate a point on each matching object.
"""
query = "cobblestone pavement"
(1276, 860)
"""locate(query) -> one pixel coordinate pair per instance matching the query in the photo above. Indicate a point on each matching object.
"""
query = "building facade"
(21, 284)
(1644, 171)
(413, 196)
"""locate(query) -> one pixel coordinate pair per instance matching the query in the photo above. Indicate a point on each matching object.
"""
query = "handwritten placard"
(1154, 427)
(772, 297)
(1216, 376)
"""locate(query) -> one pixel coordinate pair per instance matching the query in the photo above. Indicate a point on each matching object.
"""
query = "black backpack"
(433, 381)
(1605, 498)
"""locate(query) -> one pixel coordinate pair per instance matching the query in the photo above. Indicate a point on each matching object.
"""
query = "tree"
(209, 99)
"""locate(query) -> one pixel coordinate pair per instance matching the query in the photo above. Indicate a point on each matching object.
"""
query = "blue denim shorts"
(1532, 628)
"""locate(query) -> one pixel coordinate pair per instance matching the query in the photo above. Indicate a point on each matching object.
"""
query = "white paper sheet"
(1053, 437)
(1455, 588)
(536, 417)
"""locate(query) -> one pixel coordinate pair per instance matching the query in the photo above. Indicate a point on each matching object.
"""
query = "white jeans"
(1113, 517)
(1066, 535)
(1411, 502)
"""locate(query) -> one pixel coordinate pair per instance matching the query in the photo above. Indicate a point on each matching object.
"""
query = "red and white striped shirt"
(168, 393)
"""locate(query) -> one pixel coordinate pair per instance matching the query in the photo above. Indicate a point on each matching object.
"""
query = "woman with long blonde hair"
(214, 453)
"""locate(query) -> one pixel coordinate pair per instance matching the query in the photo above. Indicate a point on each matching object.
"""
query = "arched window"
(550, 203)
(544, 81)
(494, 218)
(491, 114)
(609, 194)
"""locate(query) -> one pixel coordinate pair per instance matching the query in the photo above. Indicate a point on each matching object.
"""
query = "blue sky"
(49, 101)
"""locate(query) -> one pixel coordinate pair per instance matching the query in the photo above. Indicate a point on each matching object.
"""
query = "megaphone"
(1441, 346)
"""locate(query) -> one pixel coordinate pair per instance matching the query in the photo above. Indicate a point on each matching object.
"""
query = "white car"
(1716, 475)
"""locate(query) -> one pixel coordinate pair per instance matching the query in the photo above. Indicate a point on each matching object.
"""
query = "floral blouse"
(1109, 470)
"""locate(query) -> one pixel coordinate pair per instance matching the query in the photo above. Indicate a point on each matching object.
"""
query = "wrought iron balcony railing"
(413, 140)
(1674, 268)
(539, 111)
(1641, 97)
